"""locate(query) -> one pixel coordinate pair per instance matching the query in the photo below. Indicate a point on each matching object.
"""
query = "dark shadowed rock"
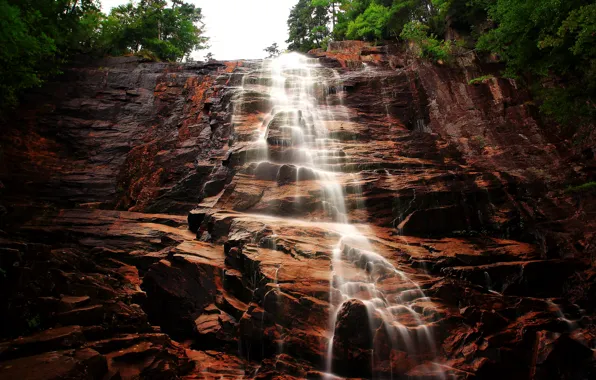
(195, 218)
(80, 364)
(353, 339)
(559, 356)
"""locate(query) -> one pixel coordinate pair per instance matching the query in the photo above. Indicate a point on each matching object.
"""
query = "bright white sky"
(239, 29)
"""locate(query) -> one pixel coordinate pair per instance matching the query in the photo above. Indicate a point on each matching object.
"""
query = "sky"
(238, 29)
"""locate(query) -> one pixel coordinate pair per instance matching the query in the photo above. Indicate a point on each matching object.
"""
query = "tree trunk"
(332, 16)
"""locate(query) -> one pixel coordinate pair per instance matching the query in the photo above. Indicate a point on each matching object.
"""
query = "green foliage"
(370, 25)
(549, 39)
(38, 36)
(522, 24)
(466, 17)
(308, 25)
(569, 106)
(479, 142)
(430, 46)
(148, 55)
(374, 20)
(272, 50)
(586, 187)
(580, 25)
(482, 79)
(34, 322)
(332, 7)
(325, 43)
(170, 33)
(22, 54)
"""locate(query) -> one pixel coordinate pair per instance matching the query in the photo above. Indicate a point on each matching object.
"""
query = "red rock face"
(145, 235)
(121, 135)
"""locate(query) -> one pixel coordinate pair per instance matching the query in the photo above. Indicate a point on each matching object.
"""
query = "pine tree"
(272, 50)
(308, 26)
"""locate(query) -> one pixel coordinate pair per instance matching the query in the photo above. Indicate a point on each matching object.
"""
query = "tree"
(273, 50)
(308, 26)
(374, 20)
(36, 37)
(430, 46)
(332, 6)
(209, 57)
(554, 39)
(170, 33)
(371, 25)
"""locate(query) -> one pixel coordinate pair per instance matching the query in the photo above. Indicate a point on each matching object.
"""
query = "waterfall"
(294, 140)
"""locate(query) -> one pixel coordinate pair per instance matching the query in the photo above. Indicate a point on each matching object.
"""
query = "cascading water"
(294, 138)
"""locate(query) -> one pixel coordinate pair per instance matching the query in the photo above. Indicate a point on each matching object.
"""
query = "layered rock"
(120, 134)
(457, 186)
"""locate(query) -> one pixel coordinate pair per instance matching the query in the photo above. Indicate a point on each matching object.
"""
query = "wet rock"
(9, 257)
(306, 174)
(521, 278)
(184, 286)
(287, 173)
(489, 321)
(352, 341)
(214, 364)
(86, 316)
(195, 218)
(436, 221)
(80, 364)
(144, 355)
(267, 171)
(253, 102)
(213, 187)
(68, 303)
(559, 356)
(57, 339)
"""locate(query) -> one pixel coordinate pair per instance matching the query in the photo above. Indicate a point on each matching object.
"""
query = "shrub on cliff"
(429, 45)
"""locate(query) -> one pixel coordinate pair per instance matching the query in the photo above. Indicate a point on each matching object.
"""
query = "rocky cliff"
(146, 235)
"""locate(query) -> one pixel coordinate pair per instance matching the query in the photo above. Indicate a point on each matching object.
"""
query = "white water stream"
(300, 89)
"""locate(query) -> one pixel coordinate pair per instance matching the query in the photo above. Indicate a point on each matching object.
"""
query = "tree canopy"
(549, 38)
(272, 50)
(308, 25)
(39, 36)
(170, 33)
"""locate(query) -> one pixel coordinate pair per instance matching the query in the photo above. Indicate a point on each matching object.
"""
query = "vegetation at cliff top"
(482, 79)
(38, 36)
(272, 50)
(169, 33)
(549, 44)
(308, 25)
(589, 186)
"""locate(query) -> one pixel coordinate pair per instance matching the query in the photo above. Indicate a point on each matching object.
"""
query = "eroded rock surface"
(146, 235)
